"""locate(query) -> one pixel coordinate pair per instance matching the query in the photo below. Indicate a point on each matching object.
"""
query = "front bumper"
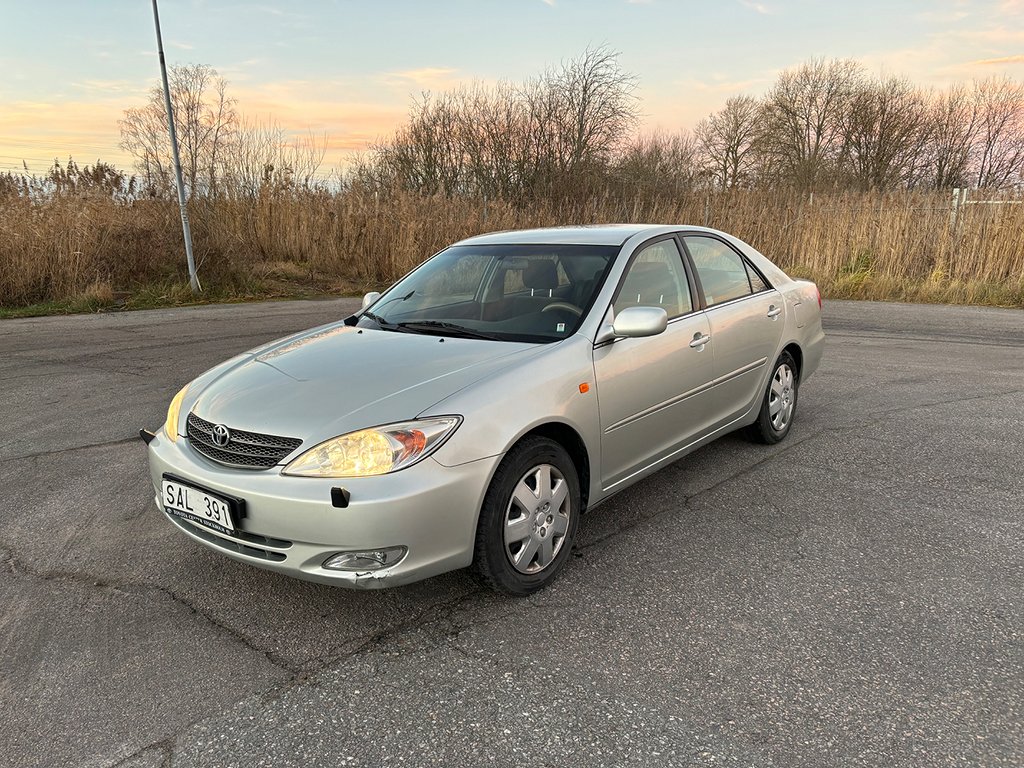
(291, 526)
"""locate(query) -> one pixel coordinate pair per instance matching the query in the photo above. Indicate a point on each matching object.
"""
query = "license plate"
(197, 505)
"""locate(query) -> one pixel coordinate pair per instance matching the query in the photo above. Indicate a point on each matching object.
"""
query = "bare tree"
(658, 164)
(953, 131)
(496, 139)
(886, 130)
(543, 129)
(802, 120)
(999, 149)
(263, 158)
(595, 108)
(512, 141)
(205, 120)
(426, 153)
(728, 141)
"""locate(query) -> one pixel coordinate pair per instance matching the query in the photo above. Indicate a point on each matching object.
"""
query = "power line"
(37, 158)
(29, 159)
(16, 166)
(35, 143)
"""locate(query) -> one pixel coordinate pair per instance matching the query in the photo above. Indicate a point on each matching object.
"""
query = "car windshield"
(536, 293)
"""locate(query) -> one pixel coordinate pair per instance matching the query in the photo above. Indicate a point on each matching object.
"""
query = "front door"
(653, 391)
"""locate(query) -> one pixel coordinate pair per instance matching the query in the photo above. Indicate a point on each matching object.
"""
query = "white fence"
(961, 200)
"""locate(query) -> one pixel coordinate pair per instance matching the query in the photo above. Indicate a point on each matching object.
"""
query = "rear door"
(652, 391)
(746, 317)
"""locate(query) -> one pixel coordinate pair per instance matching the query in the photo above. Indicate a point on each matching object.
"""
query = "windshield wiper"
(380, 321)
(449, 329)
(384, 324)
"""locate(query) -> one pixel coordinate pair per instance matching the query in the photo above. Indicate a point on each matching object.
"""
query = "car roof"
(597, 234)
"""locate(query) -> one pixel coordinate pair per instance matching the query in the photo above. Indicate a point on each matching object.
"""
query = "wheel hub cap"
(537, 519)
(781, 397)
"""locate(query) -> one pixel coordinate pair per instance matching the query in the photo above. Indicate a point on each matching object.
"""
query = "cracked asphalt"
(852, 596)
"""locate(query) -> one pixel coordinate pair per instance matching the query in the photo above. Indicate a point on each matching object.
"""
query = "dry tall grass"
(886, 246)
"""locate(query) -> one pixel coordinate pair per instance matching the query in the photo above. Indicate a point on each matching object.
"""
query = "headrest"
(651, 270)
(541, 273)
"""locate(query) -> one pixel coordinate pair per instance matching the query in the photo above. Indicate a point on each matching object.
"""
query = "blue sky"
(348, 68)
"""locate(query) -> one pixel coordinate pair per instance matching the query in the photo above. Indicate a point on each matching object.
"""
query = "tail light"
(817, 290)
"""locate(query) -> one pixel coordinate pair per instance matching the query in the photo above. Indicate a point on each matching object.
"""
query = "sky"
(348, 69)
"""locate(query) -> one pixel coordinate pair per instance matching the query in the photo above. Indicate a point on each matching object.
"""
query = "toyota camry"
(470, 414)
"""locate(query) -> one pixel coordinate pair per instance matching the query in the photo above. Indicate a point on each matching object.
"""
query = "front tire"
(779, 404)
(529, 518)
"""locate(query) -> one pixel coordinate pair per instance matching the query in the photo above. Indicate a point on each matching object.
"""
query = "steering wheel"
(563, 305)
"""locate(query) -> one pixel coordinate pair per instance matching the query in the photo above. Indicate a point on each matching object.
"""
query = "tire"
(780, 395)
(526, 527)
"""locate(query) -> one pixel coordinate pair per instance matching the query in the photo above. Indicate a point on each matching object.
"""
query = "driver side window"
(656, 278)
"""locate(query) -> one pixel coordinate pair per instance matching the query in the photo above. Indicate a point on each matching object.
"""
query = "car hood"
(341, 378)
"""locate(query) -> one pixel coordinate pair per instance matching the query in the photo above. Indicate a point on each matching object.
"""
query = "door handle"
(699, 341)
(774, 311)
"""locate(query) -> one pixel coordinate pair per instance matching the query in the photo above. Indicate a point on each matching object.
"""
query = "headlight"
(375, 451)
(171, 425)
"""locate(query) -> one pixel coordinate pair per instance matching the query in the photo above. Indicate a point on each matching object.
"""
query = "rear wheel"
(529, 518)
(779, 404)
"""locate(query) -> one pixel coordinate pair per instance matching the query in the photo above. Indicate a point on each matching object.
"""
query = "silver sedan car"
(471, 413)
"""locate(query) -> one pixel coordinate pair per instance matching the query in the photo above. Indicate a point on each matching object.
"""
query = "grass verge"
(861, 284)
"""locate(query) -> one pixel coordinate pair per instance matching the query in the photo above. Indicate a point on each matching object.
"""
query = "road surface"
(852, 596)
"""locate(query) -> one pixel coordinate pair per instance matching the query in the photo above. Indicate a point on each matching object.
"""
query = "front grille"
(249, 450)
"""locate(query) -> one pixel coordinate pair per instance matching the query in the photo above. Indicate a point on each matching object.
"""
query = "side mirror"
(369, 298)
(635, 322)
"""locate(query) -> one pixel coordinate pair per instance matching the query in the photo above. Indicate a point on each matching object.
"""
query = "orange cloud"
(1018, 59)
(304, 107)
(39, 132)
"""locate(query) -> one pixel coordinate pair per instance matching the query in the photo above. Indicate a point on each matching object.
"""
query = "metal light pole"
(186, 230)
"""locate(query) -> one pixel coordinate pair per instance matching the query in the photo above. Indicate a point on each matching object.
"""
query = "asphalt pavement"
(850, 597)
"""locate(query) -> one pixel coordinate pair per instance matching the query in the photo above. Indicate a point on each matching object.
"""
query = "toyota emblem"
(221, 435)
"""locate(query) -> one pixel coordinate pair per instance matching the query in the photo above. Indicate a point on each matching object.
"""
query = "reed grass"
(900, 246)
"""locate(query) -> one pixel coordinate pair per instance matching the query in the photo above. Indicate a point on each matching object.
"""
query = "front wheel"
(779, 404)
(529, 517)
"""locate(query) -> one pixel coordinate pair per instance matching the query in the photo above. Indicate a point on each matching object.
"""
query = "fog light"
(369, 560)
